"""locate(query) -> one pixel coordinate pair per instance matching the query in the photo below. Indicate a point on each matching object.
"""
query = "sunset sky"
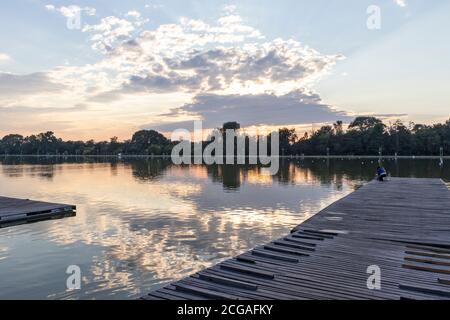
(160, 65)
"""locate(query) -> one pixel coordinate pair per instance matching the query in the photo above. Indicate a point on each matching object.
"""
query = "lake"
(143, 223)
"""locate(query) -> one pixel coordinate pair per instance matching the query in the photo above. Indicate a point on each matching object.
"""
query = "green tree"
(365, 123)
(231, 126)
(287, 138)
(12, 144)
(142, 140)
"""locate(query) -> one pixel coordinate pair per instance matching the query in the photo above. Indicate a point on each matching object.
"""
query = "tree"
(322, 138)
(338, 127)
(400, 141)
(47, 142)
(12, 144)
(142, 140)
(231, 126)
(114, 146)
(287, 138)
(364, 123)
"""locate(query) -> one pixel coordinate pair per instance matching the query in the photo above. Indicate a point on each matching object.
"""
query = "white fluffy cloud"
(229, 8)
(194, 56)
(153, 6)
(400, 3)
(280, 66)
(71, 11)
(134, 14)
(111, 31)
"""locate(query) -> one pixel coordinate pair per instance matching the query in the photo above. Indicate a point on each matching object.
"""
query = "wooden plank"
(274, 256)
(426, 289)
(304, 243)
(429, 261)
(233, 283)
(426, 254)
(204, 292)
(285, 251)
(425, 268)
(246, 270)
(291, 245)
(444, 281)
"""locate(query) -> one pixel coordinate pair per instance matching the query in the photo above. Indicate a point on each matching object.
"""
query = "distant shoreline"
(282, 157)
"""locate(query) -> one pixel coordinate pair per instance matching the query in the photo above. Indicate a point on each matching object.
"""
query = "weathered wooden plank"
(246, 270)
(204, 292)
(274, 256)
(291, 245)
(229, 282)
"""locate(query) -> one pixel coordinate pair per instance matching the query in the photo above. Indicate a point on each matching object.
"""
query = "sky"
(103, 68)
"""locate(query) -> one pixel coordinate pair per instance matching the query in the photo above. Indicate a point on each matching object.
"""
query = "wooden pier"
(17, 211)
(401, 227)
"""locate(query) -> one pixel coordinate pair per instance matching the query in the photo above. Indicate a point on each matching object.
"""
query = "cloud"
(4, 57)
(39, 82)
(110, 31)
(153, 6)
(41, 110)
(178, 58)
(286, 63)
(193, 56)
(389, 115)
(295, 108)
(400, 3)
(71, 11)
(105, 97)
(229, 8)
(135, 14)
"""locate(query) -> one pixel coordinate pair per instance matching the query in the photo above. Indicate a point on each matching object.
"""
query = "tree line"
(144, 142)
(370, 136)
(363, 136)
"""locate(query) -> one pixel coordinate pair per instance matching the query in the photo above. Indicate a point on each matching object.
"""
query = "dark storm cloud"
(294, 108)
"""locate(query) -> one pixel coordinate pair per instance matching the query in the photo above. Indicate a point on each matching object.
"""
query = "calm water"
(141, 224)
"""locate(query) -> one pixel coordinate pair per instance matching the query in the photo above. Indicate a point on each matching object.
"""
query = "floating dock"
(17, 211)
(401, 228)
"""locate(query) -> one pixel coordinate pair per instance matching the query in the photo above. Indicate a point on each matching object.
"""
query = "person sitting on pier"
(381, 173)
